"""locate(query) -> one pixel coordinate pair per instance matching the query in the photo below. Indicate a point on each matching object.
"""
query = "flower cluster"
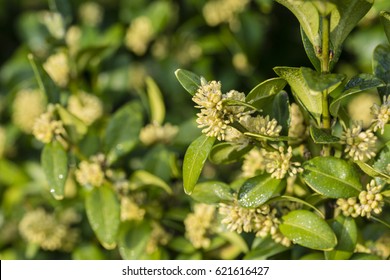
(28, 105)
(157, 237)
(130, 210)
(90, 173)
(262, 220)
(219, 111)
(46, 127)
(139, 34)
(381, 114)
(199, 225)
(369, 201)
(360, 144)
(277, 163)
(57, 67)
(86, 107)
(219, 11)
(91, 13)
(155, 133)
(297, 127)
(49, 231)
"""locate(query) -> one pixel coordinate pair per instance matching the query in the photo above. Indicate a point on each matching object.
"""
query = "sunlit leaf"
(194, 160)
(307, 229)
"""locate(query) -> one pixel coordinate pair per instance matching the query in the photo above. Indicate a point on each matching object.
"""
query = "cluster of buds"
(369, 201)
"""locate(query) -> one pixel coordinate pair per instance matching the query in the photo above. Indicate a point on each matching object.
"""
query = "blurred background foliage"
(114, 46)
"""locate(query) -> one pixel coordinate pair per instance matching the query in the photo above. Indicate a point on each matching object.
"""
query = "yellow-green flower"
(199, 225)
(90, 173)
(57, 67)
(359, 144)
(86, 107)
(381, 114)
(28, 105)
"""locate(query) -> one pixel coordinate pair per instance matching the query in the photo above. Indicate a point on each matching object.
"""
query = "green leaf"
(258, 190)
(310, 51)
(331, 177)
(320, 136)
(75, 127)
(142, 178)
(302, 92)
(308, 17)
(226, 153)
(235, 239)
(182, 245)
(343, 19)
(385, 19)
(156, 101)
(11, 173)
(123, 130)
(372, 172)
(63, 7)
(346, 233)
(381, 66)
(194, 159)
(263, 248)
(103, 212)
(307, 229)
(45, 83)
(133, 238)
(357, 84)
(383, 160)
(266, 88)
(295, 199)
(212, 192)
(281, 111)
(318, 82)
(189, 81)
(161, 162)
(54, 162)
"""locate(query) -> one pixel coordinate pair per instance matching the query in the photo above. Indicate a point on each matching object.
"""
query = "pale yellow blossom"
(86, 107)
(139, 34)
(57, 66)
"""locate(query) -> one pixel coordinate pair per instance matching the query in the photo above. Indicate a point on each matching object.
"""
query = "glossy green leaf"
(133, 238)
(381, 67)
(75, 127)
(385, 19)
(54, 162)
(212, 192)
(156, 101)
(308, 17)
(343, 20)
(161, 162)
(269, 138)
(320, 136)
(103, 212)
(318, 82)
(189, 81)
(266, 88)
(88, 252)
(372, 172)
(194, 159)
(346, 232)
(142, 178)
(307, 229)
(310, 51)
(123, 130)
(281, 111)
(331, 177)
(301, 91)
(258, 190)
(225, 153)
(357, 84)
(45, 83)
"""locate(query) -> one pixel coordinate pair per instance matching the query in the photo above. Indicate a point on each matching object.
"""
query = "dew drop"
(61, 176)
